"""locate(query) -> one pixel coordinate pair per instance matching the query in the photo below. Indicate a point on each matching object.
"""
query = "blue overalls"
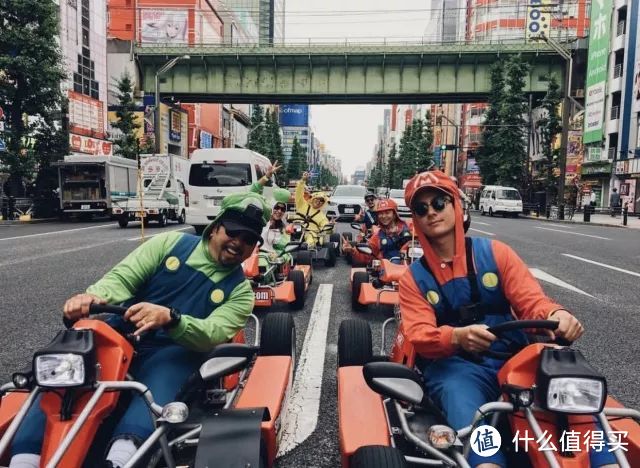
(459, 387)
(390, 245)
(160, 364)
(370, 218)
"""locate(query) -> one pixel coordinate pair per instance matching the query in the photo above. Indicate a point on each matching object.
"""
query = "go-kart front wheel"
(278, 335)
(355, 347)
(297, 277)
(359, 278)
(377, 456)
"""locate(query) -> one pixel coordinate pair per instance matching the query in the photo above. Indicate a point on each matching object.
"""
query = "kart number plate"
(348, 210)
(262, 296)
(85, 207)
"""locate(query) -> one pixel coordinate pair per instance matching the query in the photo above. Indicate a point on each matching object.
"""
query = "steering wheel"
(514, 348)
(96, 309)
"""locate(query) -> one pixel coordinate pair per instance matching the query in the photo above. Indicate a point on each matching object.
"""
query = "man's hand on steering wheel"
(473, 338)
(569, 327)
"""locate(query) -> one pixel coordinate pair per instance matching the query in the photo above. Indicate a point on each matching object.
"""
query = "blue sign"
(294, 115)
(206, 140)
(3, 147)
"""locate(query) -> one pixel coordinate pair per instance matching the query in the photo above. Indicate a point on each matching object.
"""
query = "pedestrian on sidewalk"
(614, 202)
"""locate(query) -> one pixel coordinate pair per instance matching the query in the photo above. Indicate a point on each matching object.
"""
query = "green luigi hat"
(245, 211)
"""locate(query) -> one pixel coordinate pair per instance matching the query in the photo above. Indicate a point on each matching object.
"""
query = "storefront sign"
(88, 145)
(206, 139)
(599, 42)
(596, 169)
(86, 116)
(175, 125)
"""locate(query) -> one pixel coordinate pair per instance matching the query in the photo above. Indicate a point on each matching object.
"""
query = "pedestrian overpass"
(340, 73)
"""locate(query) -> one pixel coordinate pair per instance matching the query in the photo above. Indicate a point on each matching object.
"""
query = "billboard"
(294, 115)
(163, 26)
(597, 70)
(86, 115)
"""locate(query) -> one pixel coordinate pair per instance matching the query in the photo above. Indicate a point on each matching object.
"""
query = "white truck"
(90, 185)
(163, 197)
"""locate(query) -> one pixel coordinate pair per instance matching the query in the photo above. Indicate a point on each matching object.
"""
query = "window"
(508, 195)
(220, 175)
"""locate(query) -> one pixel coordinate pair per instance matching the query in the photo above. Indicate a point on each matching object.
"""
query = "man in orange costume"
(436, 295)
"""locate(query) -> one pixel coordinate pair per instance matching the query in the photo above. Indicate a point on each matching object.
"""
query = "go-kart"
(377, 283)
(548, 391)
(325, 245)
(280, 280)
(362, 236)
(228, 413)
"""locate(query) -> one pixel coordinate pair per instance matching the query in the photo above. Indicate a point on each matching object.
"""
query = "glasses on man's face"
(438, 204)
(246, 237)
(369, 199)
(279, 208)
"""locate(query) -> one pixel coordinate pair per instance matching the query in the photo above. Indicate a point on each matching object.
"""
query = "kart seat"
(391, 272)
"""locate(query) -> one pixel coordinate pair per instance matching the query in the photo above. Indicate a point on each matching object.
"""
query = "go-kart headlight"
(575, 395)
(68, 361)
(415, 252)
(59, 370)
(567, 383)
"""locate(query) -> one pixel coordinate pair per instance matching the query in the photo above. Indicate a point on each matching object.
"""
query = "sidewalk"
(596, 220)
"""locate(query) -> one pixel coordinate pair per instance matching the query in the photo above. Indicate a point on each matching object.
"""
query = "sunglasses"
(245, 236)
(438, 204)
(369, 199)
(279, 208)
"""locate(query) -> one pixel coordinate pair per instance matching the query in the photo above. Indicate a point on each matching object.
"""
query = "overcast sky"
(350, 131)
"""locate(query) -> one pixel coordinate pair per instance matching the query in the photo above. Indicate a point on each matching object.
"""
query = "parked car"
(496, 199)
(346, 202)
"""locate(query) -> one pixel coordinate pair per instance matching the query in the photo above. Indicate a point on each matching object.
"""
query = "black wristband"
(175, 317)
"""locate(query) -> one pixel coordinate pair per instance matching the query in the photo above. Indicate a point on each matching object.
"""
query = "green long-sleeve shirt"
(122, 282)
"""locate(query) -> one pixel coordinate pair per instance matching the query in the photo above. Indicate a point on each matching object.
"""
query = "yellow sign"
(433, 297)
(172, 263)
(217, 296)
(490, 280)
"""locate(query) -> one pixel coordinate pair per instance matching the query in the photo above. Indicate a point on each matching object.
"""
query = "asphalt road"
(42, 265)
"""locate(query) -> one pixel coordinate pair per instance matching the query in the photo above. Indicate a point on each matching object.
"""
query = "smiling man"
(189, 294)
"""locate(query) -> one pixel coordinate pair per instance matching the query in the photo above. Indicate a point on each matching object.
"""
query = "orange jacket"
(521, 289)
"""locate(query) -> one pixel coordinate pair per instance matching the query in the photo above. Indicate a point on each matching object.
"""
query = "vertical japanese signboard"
(597, 70)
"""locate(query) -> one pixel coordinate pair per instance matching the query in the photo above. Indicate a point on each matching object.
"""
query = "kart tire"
(303, 257)
(359, 278)
(123, 222)
(491, 212)
(355, 347)
(278, 335)
(297, 277)
(330, 261)
(377, 456)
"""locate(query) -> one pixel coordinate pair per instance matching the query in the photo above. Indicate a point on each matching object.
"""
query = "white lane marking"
(58, 232)
(541, 275)
(55, 253)
(303, 407)
(563, 226)
(153, 235)
(481, 223)
(611, 267)
(573, 233)
(482, 232)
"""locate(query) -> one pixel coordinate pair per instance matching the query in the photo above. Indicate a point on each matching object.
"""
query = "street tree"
(551, 126)
(511, 135)
(423, 140)
(487, 156)
(30, 78)
(273, 142)
(294, 166)
(258, 133)
(392, 172)
(406, 154)
(125, 139)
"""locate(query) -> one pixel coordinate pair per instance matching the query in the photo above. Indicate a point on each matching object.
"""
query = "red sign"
(83, 144)
(86, 116)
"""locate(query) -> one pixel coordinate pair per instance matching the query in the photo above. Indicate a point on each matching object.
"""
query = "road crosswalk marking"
(541, 275)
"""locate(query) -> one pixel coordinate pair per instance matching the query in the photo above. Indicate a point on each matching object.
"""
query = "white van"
(503, 200)
(216, 173)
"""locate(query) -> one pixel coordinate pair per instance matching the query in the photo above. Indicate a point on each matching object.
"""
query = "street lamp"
(165, 68)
